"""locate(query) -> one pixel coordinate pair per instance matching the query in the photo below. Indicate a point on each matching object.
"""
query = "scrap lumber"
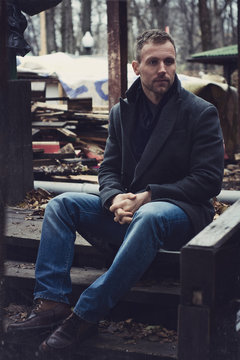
(84, 131)
(93, 179)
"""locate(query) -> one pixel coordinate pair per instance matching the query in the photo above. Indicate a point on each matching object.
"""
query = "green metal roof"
(231, 50)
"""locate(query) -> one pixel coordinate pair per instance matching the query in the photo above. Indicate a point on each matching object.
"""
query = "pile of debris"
(67, 139)
(231, 179)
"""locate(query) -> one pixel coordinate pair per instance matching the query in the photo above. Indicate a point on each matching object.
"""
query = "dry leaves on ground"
(132, 331)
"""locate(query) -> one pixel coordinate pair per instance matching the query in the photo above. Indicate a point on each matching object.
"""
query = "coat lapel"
(127, 121)
(160, 134)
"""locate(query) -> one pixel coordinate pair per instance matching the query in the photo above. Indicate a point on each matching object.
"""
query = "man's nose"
(161, 67)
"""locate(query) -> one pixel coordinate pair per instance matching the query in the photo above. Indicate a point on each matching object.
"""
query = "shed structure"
(226, 56)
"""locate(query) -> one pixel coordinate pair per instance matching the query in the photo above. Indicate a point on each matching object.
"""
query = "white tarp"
(80, 77)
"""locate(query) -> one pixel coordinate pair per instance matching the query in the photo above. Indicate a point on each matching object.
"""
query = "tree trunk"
(217, 26)
(100, 28)
(86, 19)
(130, 14)
(188, 10)
(139, 19)
(51, 35)
(205, 25)
(68, 41)
(159, 13)
(31, 37)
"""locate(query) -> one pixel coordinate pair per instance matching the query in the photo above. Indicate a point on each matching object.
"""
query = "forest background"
(196, 25)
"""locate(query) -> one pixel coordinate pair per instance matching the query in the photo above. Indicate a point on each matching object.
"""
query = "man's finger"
(120, 213)
(125, 220)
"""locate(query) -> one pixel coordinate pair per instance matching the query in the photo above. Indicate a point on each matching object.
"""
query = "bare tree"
(196, 25)
(51, 33)
(213, 17)
(159, 13)
(31, 34)
(68, 40)
(190, 22)
(205, 24)
(86, 18)
(99, 27)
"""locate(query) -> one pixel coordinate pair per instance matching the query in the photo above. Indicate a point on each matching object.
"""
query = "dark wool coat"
(182, 162)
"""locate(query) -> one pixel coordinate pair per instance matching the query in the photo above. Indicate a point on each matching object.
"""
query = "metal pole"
(3, 149)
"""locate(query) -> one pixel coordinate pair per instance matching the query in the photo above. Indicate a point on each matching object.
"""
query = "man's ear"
(135, 66)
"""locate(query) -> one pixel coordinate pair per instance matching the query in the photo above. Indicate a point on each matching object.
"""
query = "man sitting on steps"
(163, 163)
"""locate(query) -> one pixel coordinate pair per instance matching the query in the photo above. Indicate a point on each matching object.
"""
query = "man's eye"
(153, 62)
(169, 61)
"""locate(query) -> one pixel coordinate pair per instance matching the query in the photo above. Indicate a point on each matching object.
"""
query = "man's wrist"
(148, 196)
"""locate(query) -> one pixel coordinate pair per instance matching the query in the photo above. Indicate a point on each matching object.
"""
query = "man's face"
(156, 69)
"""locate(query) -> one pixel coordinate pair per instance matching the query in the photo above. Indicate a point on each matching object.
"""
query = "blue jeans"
(155, 225)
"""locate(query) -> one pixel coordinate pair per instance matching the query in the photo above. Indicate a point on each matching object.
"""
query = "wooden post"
(3, 150)
(20, 156)
(209, 286)
(117, 49)
(43, 34)
(238, 27)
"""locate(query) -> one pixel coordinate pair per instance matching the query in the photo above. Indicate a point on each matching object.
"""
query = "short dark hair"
(155, 36)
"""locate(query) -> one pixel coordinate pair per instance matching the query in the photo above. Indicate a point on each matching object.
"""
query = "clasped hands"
(125, 205)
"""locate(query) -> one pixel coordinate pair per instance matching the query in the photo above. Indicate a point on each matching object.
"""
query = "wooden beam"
(43, 34)
(210, 274)
(117, 50)
(220, 231)
(3, 149)
(238, 27)
(20, 156)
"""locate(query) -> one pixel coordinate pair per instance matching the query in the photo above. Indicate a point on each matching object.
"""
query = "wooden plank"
(93, 179)
(42, 105)
(18, 272)
(43, 34)
(210, 273)
(23, 232)
(48, 124)
(194, 344)
(220, 230)
(80, 104)
(208, 277)
(117, 50)
(208, 334)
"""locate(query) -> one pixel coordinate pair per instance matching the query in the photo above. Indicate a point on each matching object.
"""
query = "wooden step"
(154, 300)
(104, 346)
(155, 297)
(23, 231)
(21, 276)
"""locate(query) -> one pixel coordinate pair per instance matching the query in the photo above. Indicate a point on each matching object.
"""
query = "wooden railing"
(210, 276)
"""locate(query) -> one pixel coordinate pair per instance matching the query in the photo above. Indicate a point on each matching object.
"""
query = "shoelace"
(37, 305)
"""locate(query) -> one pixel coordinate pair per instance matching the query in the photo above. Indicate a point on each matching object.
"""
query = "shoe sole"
(70, 349)
(33, 329)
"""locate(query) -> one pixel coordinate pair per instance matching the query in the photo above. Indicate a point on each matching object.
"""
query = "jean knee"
(56, 204)
(148, 213)
(154, 217)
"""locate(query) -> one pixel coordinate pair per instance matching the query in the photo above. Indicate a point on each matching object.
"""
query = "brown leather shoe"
(68, 335)
(45, 314)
